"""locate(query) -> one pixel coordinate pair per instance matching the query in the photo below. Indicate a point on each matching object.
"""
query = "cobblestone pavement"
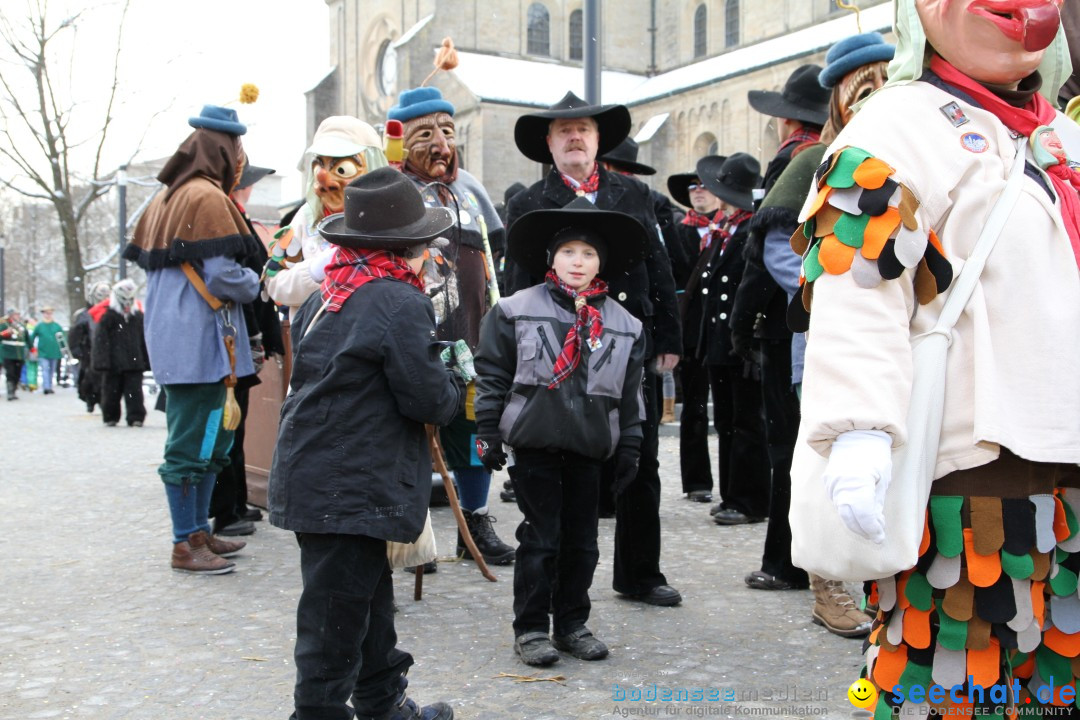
(94, 624)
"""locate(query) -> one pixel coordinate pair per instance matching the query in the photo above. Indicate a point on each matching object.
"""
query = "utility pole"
(3, 307)
(121, 188)
(592, 52)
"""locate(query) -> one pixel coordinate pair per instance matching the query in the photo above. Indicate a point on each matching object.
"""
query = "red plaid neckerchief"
(349, 269)
(1037, 112)
(587, 320)
(728, 228)
(697, 220)
(800, 137)
(591, 185)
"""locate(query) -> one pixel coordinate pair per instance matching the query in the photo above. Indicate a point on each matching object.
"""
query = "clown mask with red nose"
(996, 42)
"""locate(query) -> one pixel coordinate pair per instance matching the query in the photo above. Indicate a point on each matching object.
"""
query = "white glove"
(856, 478)
(317, 265)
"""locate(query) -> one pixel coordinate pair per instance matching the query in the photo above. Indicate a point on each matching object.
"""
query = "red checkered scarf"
(728, 229)
(800, 137)
(350, 268)
(697, 220)
(591, 185)
(587, 321)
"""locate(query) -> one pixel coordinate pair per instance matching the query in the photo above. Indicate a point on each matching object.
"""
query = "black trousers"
(637, 510)
(695, 464)
(126, 386)
(781, 431)
(345, 637)
(229, 499)
(557, 551)
(740, 429)
(12, 372)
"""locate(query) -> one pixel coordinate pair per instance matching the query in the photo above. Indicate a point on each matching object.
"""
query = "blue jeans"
(189, 505)
(48, 371)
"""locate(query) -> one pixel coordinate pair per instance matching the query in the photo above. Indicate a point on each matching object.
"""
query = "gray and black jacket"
(595, 411)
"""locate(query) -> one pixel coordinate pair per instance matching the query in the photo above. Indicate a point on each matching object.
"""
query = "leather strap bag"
(230, 419)
(820, 541)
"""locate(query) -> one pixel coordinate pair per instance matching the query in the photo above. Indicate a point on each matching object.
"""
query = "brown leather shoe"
(194, 557)
(222, 547)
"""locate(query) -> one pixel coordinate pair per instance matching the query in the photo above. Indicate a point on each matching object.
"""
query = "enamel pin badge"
(954, 114)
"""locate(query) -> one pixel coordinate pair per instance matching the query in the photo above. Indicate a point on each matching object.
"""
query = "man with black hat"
(352, 466)
(570, 135)
(759, 317)
(564, 410)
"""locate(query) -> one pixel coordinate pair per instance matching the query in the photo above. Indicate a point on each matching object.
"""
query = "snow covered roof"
(538, 83)
(411, 32)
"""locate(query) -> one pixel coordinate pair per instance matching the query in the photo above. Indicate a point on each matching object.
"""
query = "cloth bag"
(820, 541)
(416, 553)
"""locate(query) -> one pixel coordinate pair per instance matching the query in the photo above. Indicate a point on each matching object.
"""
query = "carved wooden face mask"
(991, 41)
(431, 144)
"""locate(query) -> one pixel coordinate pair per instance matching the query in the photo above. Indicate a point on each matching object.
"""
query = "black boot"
(494, 550)
(507, 493)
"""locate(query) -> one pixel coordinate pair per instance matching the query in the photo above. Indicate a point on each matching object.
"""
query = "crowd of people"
(535, 336)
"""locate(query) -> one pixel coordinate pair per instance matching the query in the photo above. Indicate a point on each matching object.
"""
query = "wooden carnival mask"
(431, 144)
(998, 42)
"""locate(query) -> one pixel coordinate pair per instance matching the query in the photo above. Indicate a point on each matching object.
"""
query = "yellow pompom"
(249, 93)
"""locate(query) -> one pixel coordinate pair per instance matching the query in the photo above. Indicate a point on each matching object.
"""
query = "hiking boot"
(507, 493)
(224, 548)
(194, 556)
(581, 644)
(534, 648)
(236, 529)
(493, 550)
(836, 611)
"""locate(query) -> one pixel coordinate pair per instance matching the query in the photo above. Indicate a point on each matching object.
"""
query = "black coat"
(648, 290)
(352, 454)
(721, 278)
(119, 344)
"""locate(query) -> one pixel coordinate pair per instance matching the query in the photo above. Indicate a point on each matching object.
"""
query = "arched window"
(706, 144)
(539, 34)
(700, 38)
(577, 35)
(731, 23)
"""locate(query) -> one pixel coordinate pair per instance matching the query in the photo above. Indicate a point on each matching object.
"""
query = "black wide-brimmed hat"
(384, 211)
(679, 184)
(734, 180)
(530, 131)
(253, 174)
(626, 239)
(802, 98)
(624, 157)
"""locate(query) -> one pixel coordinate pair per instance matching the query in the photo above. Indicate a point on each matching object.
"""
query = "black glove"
(489, 450)
(740, 345)
(463, 390)
(626, 468)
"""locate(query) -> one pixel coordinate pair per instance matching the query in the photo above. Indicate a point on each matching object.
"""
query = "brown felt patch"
(985, 512)
(908, 206)
(925, 283)
(825, 220)
(1042, 565)
(978, 637)
(959, 600)
(799, 242)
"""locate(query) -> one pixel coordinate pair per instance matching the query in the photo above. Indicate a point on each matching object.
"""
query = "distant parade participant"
(13, 343)
(80, 340)
(119, 356)
(45, 341)
(457, 279)
(570, 135)
(899, 205)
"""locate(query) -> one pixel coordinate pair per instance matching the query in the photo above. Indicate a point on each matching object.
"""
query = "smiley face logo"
(862, 693)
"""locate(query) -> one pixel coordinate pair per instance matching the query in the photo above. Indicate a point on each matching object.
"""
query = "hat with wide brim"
(529, 237)
(253, 174)
(221, 119)
(384, 211)
(803, 98)
(624, 157)
(530, 131)
(679, 184)
(734, 180)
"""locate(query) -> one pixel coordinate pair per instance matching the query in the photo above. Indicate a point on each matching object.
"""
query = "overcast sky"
(178, 55)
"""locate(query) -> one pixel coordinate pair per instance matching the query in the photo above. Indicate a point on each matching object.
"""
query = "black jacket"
(721, 278)
(647, 291)
(594, 411)
(119, 345)
(352, 454)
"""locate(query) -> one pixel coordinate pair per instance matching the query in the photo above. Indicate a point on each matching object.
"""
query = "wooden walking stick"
(451, 494)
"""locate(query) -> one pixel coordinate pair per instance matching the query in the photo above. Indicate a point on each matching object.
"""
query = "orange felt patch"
(1061, 526)
(835, 256)
(984, 665)
(822, 196)
(1024, 669)
(917, 627)
(1038, 601)
(872, 598)
(901, 585)
(936, 242)
(872, 174)
(924, 544)
(889, 667)
(983, 570)
(1061, 643)
(874, 634)
(878, 229)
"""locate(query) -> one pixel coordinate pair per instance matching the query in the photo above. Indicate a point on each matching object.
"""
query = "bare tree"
(36, 133)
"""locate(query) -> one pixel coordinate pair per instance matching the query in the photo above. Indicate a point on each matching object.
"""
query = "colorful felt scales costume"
(896, 209)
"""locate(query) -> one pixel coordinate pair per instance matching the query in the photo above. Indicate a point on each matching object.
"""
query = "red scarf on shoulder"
(1037, 112)
(352, 268)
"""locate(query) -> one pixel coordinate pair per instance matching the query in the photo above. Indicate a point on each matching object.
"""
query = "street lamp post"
(592, 52)
(121, 188)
